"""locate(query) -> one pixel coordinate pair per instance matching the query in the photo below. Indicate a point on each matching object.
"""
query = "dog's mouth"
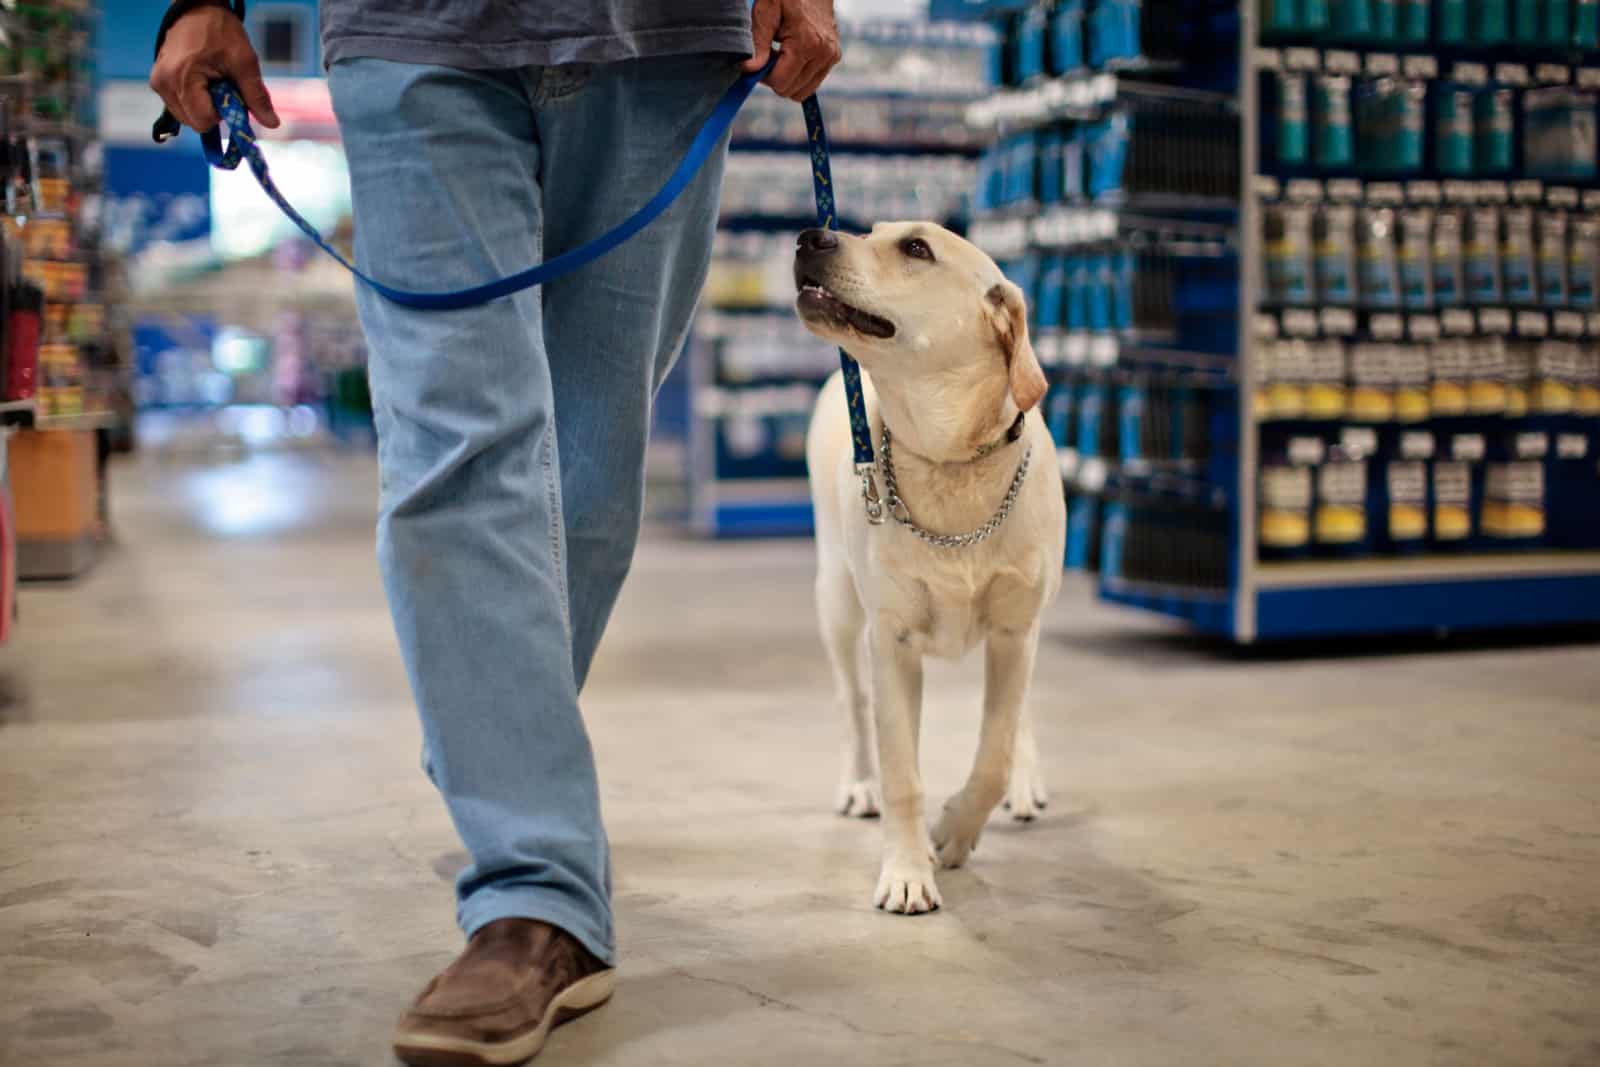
(817, 301)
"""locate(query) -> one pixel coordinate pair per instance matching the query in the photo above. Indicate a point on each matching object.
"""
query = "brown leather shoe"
(516, 981)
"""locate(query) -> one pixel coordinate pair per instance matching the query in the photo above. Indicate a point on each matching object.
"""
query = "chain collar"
(895, 506)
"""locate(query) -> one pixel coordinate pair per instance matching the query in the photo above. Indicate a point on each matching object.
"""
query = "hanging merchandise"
(1484, 284)
(1517, 256)
(1453, 130)
(1448, 258)
(1554, 292)
(1416, 19)
(1494, 121)
(1559, 137)
(1332, 142)
(1380, 261)
(1586, 24)
(1336, 254)
(1415, 251)
(1488, 21)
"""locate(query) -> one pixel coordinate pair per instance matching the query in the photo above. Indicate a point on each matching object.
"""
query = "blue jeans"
(511, 437)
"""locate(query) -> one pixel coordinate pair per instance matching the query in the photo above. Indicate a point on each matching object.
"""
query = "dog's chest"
(942, 611)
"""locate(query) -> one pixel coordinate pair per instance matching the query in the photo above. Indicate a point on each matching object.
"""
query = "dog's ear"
(1009, 313)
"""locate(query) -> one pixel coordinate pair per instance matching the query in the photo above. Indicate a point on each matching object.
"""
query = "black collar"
(1011, 435)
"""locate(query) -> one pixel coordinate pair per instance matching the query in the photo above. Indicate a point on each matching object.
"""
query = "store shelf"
(90, 420)
(859, 148)
(1209, 610)
(1427, 604)
(1478, 567)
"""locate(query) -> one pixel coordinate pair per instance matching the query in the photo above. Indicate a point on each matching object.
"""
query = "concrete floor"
(216, 847)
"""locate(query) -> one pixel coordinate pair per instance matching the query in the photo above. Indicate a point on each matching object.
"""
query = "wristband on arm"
(167, 126)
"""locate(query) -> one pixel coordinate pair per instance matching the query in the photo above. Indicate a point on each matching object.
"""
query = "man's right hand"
(205, 45)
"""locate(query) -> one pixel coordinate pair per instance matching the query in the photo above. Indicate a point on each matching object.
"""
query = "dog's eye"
(917, 248)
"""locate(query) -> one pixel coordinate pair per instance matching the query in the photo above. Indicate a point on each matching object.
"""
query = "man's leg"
(444, 167)
(610, 136)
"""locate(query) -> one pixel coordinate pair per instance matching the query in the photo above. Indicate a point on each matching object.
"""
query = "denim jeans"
(511, 437)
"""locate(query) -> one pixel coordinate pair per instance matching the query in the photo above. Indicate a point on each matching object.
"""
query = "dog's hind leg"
(843, 635)
(1008, 667)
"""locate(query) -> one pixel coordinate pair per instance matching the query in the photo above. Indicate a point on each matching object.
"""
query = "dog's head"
(913, 300)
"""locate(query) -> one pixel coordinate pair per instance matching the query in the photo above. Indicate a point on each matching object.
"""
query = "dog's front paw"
(1026, 796)
(857, 797)
(956, 833)
(906, 887)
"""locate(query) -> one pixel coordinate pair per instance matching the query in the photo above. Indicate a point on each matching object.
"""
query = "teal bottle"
(1452, 22)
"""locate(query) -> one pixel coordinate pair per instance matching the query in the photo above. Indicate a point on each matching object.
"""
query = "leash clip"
(869, 493)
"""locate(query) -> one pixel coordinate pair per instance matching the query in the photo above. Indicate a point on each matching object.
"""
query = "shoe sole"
(578, 999)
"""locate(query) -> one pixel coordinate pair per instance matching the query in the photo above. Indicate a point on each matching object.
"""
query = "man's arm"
(810, 39)
(205, 43)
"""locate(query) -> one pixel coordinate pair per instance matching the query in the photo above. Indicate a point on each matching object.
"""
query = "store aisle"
(216, 847)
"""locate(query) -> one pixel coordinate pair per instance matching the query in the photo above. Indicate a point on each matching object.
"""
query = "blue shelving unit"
(1188, 426)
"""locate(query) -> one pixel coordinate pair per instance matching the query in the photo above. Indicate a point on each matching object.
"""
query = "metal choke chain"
(902, 514)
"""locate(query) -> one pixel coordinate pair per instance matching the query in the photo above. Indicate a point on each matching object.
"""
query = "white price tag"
(1358, 441)
(1533, 445)
(1307, 59)
(1048, 349)
(1338, 322)
(1422, 327)
(1421, 67)
(1457, 322)
(1092, 474)
(1416, 444)
(1561, 196)
(1572, 446)
(1303, 189)
(1387, 327)
(1532, 324)
(1341, 62)
(1300, 322)
(1494, 320)
(1344, 189)
(1466, 446)
(1075, 349)
(1307, 451)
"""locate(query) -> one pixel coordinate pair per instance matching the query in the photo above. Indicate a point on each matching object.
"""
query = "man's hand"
(810, 41)
(203, 46)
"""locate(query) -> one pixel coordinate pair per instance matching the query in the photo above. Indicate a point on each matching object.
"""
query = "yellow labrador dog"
(971, 548)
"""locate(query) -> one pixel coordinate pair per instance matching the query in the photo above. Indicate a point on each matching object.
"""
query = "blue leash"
(243, 147)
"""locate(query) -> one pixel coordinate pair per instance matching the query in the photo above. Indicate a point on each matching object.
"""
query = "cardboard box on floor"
(53, 487)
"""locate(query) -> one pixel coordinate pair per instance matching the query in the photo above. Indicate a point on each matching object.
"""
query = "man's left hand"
(810, 39)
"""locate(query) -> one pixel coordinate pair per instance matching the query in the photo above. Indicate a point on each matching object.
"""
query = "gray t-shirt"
(496, 34)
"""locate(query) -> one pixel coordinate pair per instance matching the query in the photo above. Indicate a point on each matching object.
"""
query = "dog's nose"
(817, 241)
